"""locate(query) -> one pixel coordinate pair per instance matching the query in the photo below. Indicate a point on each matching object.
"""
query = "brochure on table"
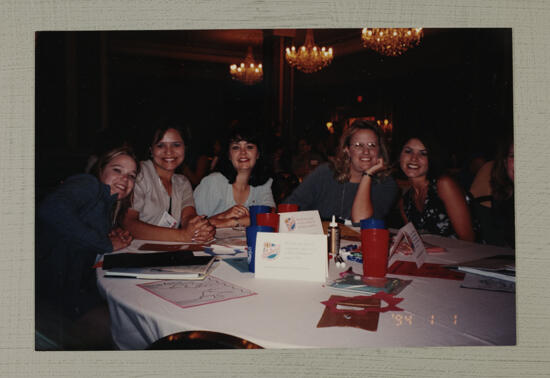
(298, 253)
(408, 234)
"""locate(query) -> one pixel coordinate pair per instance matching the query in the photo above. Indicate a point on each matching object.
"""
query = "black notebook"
(140, 260)
(164, 265)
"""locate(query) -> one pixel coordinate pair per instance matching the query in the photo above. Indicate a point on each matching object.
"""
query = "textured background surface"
(19, 19)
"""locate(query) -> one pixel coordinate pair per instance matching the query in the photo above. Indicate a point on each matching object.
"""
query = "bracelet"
(368, 174)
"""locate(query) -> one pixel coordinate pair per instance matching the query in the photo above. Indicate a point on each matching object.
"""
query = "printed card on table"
(408, 234)
(301, 222)
(289, 256)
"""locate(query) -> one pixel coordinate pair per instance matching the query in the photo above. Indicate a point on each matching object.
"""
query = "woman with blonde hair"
(357, 184)
(76, 223)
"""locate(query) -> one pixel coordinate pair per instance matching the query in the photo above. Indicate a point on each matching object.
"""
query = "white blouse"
(151, 199)
(215, 194)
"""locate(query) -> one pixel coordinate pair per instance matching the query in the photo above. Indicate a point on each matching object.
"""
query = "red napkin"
(366, 318)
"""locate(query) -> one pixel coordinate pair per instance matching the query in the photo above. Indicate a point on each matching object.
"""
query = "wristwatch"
(368, 174)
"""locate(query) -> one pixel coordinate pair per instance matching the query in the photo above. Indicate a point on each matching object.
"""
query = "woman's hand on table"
(237, 211)
(120, 238)
(199, 230)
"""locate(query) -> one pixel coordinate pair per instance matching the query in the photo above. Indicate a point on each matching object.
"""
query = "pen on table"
(355, 258)
(348, 248)
(357, 304)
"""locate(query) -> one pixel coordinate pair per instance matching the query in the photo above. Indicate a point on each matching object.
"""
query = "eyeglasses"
(358, 146)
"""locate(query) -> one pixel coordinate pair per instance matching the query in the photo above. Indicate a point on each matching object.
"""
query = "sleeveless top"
(433, 219)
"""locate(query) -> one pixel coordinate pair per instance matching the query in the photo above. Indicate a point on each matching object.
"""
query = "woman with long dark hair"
(434, 203)
(242, 181)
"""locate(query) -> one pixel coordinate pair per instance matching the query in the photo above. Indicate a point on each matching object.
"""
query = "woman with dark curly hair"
(357, 184)
(242, 181)
(434, 203)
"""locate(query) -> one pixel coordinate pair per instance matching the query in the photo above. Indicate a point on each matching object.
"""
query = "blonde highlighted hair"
(124, 204)
(342, 162)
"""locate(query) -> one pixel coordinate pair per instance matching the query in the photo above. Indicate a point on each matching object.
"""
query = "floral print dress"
(433, 219)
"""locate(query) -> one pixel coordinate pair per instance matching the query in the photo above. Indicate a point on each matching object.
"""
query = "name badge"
(168, 221)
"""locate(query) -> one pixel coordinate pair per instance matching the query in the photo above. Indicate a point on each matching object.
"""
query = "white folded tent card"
(291, 256)
(301, 222)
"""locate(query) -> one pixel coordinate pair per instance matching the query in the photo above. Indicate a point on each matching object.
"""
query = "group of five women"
(88, 216)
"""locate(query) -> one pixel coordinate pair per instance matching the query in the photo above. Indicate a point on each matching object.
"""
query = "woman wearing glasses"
(357, 184)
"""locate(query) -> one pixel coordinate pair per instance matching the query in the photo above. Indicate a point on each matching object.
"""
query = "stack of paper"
(176, 265)
(502, 267)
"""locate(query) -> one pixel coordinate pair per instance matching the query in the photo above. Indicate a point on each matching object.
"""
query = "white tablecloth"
(284, 314)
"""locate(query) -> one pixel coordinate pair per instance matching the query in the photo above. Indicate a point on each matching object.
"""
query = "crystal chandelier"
(248, 71)
(391, 41)
(309, 58)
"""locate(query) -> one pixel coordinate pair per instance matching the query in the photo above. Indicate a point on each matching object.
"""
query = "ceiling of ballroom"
(222, 46)
(207, 54)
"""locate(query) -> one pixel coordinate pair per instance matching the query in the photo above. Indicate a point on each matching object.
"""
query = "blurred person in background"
(493, 192)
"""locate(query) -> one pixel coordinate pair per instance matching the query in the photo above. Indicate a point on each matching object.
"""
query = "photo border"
(531, 71)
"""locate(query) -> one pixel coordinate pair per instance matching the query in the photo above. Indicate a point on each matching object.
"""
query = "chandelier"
(391, 41)
(248, 71)
(309, 58)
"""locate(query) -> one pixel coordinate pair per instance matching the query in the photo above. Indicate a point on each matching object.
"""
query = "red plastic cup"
(254, 210)
(374, 247)
(268, 219)
(287, 208)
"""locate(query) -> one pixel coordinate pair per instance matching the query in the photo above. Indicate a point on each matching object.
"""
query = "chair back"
(202, 340)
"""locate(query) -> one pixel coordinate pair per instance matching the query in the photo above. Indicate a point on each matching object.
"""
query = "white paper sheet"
(195, 293)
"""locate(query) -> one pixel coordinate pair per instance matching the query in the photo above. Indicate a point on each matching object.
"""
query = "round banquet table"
(285, 314)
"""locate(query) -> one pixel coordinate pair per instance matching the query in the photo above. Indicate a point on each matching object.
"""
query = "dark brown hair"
(245, 131)
(435, 158)
(160, 128)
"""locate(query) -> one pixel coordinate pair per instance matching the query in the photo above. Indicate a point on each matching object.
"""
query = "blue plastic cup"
(255, 210)
(251, 233)
(372, 223)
